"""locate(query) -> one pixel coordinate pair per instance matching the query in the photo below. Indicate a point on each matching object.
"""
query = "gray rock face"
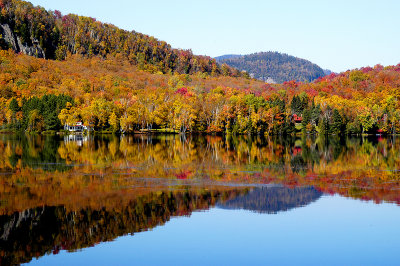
(34, 50)
(16, 44)
(8, 36)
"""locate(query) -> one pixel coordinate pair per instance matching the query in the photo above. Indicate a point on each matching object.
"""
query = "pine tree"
(306, 119)
(51, 121)
(295, 104)
(337, 123)
(315, 114)
(14, 107)
(324, 127)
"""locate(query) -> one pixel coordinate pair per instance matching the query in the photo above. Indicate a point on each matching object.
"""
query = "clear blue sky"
(337, 35)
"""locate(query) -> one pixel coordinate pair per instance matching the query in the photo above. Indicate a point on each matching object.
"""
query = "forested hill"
(48, 34)
(274, 67)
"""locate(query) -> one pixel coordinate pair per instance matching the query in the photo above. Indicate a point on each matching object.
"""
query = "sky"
(336, 35)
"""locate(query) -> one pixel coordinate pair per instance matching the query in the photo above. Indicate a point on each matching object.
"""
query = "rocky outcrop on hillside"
(10, 40)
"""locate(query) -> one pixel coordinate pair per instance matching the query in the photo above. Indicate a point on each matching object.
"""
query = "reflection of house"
(78, 127)
(297, 150)
(79, 139)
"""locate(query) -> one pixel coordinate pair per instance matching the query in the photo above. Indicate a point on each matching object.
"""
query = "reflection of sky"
(333, 230)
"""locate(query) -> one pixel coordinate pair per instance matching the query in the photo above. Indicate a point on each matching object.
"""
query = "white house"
(78, 127)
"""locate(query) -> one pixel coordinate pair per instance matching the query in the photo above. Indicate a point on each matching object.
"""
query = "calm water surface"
(150, 200)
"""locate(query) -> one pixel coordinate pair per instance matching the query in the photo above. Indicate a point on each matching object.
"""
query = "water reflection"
(50, 170)
(77, 139)
(44, 230)
(75, 191)
(273, 199)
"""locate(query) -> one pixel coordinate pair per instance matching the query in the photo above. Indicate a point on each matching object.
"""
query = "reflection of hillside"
(108, 186)
(273, 199)
(36, 152)
(35, 165)
(39, 231)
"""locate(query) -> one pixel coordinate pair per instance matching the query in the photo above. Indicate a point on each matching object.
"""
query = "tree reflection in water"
(69, 193)
(42, 230)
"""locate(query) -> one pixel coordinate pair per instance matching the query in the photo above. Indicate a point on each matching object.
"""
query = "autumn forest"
(59, 70)
(106, 133)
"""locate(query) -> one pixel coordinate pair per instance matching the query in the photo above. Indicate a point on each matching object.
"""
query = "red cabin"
(297, 119)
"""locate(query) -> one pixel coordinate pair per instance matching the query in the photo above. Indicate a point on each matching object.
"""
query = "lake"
(195, 200)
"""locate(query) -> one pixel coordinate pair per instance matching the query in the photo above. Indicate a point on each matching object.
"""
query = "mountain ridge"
(274, 67)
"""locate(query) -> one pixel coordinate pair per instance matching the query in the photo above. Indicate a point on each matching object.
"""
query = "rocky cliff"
(10, 40)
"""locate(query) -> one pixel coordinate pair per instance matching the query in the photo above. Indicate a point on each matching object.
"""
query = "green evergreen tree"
(52, 122)
(315, 113)
(306, 119)
(295, 104)
(324, 127)
(14, 107)
(290, 127)
(337, 123)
